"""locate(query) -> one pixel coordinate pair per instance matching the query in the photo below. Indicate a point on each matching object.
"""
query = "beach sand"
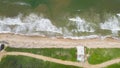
(24, 41)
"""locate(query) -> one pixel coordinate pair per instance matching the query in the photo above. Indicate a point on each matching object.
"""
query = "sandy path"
(108, 63)
(85, 65)
(44, 42)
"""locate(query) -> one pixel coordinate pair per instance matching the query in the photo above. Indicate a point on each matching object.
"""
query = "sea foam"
(81, 24)
(30, 23)
(118, 14)
(112, 24)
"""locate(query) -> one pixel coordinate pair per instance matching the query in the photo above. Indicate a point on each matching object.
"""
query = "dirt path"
(108, 63)
(84, 65)
(20, 41)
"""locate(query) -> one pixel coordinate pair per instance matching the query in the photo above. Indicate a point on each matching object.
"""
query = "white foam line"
(83, 37)
(31, 23)
(112, 24)
(118, 14)
(21, 3)
(81, 24)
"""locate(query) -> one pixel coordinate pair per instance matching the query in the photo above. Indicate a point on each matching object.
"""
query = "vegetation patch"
(59, 53)
(28, 62)
(96, 55)
(100, 55)
(117, 65)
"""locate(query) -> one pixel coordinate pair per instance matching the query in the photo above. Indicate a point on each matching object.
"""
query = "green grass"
(100, 55)
(97, 56)
(28, 62)
(117, 65)
(59, 53)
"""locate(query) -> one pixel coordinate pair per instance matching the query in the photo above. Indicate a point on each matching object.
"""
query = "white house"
(81, 53)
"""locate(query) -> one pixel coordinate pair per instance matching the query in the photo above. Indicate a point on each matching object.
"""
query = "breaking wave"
(112, 24)
(76, 27)
(30, 24)
(21, 3)
(81, 24)
(16, 3)
(118, 14)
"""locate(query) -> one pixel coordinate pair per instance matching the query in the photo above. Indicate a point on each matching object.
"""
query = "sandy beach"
(22, 41)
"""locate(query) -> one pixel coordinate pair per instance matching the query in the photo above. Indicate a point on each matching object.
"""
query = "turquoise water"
(68, 18)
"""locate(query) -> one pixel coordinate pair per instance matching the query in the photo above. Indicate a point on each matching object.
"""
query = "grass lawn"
(59, 53)
(117, 65)
(28, 62)
(100, 55)
(97, 55)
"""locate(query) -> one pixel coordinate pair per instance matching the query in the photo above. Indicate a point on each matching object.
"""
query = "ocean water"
(76, 19)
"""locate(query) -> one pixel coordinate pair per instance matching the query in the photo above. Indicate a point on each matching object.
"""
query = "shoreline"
(25, 41)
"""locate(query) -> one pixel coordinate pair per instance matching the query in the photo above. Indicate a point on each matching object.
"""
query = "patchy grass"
(97, 56)
(28, 62)
(100, 55)
(117, 65)
(59, 53)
